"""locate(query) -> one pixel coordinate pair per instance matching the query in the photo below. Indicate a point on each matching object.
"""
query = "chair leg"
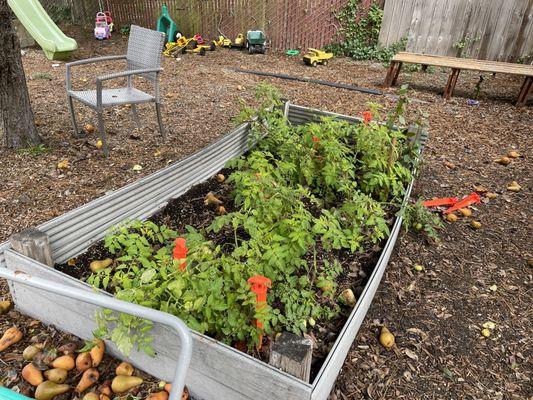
(135, 114)
(73, 117)
(160, 120)
(101, 130)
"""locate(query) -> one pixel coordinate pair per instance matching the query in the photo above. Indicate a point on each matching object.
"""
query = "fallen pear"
(514, 187)
(11, 336)
(123, 383)
(386, 338)
(124, 369)
(30, 352)
(475, 224)
(98, 265)
(57, 375)
(347, 297)
(91, 396)
(491, 195)
(99, 144)
(89, 128)
(89, 378)
(465, 212)
(68, 348)
(451, 217)
(105, 388)
(221, 210)
(513, 154)
(211, 199)
(5, 305)
(97, 352)
(32, 375)
(84, 361)
(220, 178)
(485, 332)
(162, 395)
(48, 390)
(64, 362)
(504, 161)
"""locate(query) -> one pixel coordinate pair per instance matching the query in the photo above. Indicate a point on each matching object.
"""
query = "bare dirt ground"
(471, 277)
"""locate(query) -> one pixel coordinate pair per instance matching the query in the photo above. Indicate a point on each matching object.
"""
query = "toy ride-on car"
(314, 57)
(255, 42)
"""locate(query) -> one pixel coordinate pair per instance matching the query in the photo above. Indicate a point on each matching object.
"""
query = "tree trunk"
(17, 124)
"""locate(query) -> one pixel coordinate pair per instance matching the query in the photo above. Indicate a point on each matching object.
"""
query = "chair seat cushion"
(111, 97)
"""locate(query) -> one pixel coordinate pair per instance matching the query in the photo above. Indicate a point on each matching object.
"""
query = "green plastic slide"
(55, 44)
(166, 25)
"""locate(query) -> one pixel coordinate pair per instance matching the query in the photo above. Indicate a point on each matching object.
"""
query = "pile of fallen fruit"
(69, 370)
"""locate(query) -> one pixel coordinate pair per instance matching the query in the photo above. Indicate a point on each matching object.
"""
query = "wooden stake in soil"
(292, 354)
(33, 244)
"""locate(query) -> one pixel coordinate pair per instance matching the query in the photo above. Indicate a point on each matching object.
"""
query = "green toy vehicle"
(255, 42)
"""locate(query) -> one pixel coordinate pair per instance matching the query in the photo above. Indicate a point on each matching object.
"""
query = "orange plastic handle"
(443, 201)
(472, 198)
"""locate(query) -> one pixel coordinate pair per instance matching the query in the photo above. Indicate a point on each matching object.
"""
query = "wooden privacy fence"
(288, 24)
(498, 30)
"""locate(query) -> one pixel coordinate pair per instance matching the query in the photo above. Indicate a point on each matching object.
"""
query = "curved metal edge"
(184, 357)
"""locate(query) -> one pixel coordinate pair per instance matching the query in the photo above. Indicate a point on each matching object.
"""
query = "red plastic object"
(367, 116)
(180, 252)
(443, 201)
(472, 198)
(199, 39)
(260, 285)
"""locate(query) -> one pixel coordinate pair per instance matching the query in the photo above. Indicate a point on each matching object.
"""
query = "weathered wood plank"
(465, 63)
(504, 28)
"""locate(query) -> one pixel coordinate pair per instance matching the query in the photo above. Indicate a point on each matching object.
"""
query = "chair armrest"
(95, 60)
(89, 61)
(127, 73)
(122, 74)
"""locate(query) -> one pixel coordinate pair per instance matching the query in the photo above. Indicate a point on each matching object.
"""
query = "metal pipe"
(184, 357)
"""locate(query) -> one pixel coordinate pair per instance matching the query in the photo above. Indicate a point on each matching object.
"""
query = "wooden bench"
(457, 64)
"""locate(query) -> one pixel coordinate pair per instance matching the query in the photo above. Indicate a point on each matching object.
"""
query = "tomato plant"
(300, 195)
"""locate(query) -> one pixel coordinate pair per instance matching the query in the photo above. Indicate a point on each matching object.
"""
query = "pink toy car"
(102, 29)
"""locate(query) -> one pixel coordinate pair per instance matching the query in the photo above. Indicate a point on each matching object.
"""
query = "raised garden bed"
(217, 370)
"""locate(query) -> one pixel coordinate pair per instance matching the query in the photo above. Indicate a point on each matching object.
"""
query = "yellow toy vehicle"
(314, 57)
(173, 48)
(222, 42)
(239, 40)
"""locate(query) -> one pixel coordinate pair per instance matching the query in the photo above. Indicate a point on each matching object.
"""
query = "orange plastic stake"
(472, 198)
(444, 201)
(180, 252)
(260, 285)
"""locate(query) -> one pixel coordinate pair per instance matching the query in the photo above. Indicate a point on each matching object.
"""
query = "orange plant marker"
(260, 285)
(472, 198)
(180, 252)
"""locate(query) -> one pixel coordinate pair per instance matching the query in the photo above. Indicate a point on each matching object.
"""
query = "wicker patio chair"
(143, 59)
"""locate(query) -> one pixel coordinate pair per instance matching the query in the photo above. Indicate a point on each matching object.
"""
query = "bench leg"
(396, 73)
(390, 73)
(450, 85)
(526, 88)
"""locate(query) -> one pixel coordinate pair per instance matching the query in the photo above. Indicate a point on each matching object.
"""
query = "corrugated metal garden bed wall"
(217, 371)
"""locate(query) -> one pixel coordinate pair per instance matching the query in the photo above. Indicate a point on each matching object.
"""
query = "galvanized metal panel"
(239, 375)
(231, 374)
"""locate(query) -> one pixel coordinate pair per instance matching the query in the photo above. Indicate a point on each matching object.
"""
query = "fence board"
(287, 23)
(504, 28)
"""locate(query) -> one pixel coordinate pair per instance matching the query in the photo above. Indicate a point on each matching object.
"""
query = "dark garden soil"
(189, 209)
(471, 277)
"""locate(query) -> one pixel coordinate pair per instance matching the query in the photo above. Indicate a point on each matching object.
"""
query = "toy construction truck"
(255, 42)
(314, 57)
